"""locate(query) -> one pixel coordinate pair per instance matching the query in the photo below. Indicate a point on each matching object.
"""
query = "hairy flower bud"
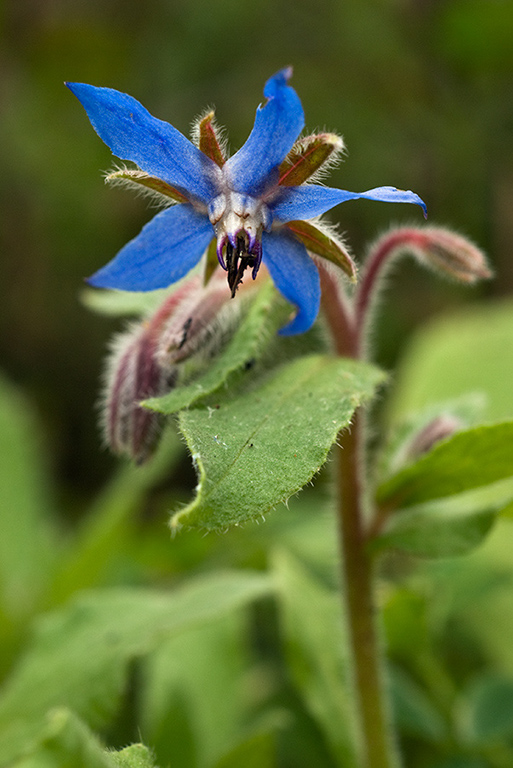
(145, 362)
(132, 375)
(441, 427)
(438, 248)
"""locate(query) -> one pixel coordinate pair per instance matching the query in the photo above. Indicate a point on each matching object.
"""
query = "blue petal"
(295, 276)
(155, 146)
(164, 251)
(308, 201)
(277, 126)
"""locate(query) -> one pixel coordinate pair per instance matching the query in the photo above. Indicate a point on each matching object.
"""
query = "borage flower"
(253, 205)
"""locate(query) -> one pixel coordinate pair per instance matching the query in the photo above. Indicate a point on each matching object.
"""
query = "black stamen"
(238, 259)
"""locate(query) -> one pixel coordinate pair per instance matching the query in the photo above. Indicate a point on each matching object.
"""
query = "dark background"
(421, 90)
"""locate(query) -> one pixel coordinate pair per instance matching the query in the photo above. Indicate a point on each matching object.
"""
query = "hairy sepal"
(318, 241)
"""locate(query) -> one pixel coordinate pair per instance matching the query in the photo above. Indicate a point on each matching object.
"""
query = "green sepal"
(208, 141)
(211, 261)
(307, 156)
(254, 448)
(140, 178)
(316, 241)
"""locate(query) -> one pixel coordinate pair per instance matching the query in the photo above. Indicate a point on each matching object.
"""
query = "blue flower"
(254, 204)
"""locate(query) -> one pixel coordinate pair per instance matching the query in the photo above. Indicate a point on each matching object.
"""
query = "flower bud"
(441, 427)
(133, 375)
(438, 248)
(145, 360)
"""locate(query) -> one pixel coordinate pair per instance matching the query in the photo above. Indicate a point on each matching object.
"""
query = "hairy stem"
(358, 584)
(357, 571)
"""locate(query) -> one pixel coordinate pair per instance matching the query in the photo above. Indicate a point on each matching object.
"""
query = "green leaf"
(487, 710)
(470, 351)
(257, 751)
(183, 681)
(315, 644)
(446, 527)
(414, 712)
(65, 742)
(134, 756)
(29, 538)
(79, 655)
(102, 534)
(265, 316)
(466, 411)
(468, 460)
(261, 445)
(114, 303)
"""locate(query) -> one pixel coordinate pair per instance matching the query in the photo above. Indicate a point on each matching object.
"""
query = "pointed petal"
(277, 126)
(312, 200)
(295, 276)
(158, 148)
(166, 249)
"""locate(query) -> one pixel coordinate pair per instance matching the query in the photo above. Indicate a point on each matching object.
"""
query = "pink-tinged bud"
(191, 327)
(441, 427)
(145, 360)
(132, 375)
(441, 249)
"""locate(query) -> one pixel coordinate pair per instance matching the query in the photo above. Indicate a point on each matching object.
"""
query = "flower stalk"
(357, 568)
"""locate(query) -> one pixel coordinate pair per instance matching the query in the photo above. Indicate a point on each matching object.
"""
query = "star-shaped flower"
(254, 206)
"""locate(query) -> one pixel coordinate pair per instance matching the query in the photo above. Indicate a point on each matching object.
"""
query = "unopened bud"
(192, 325)
(441, 427)
(133, 375)
(145, 359)
(441, 249)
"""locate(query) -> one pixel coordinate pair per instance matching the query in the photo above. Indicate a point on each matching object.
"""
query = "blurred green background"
(422, 91)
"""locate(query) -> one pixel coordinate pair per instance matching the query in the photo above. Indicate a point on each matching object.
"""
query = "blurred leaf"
(101, 535)
(79, 655)
(265, 316)
(255, 752)
(446, 527)
(405, 622)
(124, 303)
(467, 460)
(414, 712)
(469, 351)
(135, 756)
(262, 445)
(66, 742)
(315, 645)
(487, 710)
(193, 673)
(29, 538)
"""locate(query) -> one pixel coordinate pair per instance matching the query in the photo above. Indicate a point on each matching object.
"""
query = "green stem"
(358, 585)
(357, 566)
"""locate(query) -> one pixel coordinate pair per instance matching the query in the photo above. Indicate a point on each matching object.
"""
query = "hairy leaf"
(255, 448)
